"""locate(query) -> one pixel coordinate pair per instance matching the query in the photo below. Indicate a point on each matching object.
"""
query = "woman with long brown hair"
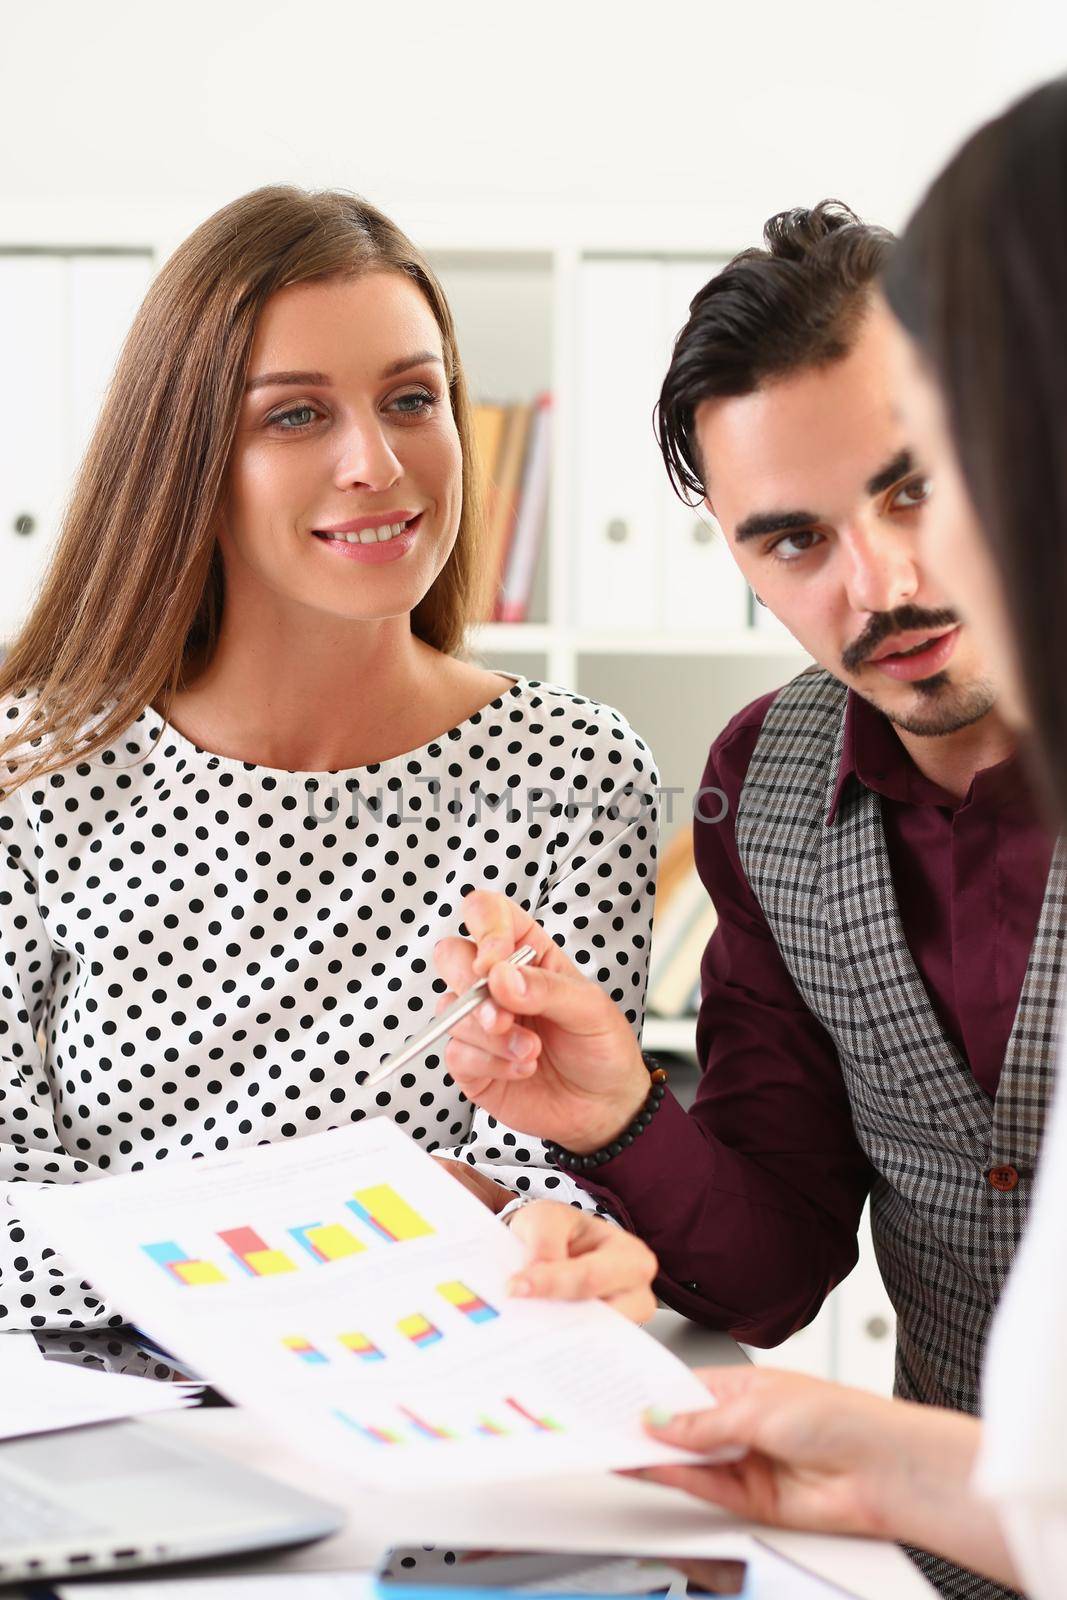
(247, 775)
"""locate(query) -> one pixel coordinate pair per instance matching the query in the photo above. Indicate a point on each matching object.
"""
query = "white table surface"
(590, 1512)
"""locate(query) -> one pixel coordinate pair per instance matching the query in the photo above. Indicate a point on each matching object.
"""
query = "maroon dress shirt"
(752, 1198)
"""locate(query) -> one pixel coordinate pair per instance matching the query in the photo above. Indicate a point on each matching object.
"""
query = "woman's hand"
(572, 1255)
(828, 1459)
(548, 1053)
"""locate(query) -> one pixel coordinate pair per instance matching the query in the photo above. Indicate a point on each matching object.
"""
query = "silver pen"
(446, 1021)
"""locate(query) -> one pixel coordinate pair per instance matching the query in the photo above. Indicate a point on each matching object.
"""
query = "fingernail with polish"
(659, 1417)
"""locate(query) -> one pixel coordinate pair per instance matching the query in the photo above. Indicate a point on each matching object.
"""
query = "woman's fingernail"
(659, 1417)
(523, 1069)
(519, 1045)
(518, 982)
(487, 1014)
(519, 1286)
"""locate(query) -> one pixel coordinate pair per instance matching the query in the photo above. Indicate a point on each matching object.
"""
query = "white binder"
(704, 593)
(62, 321)
(618, 556)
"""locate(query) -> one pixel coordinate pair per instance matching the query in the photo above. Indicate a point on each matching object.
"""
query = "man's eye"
(793, 545)
(910, 495)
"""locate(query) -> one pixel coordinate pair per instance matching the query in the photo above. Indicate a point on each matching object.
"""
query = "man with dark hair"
(879, 994)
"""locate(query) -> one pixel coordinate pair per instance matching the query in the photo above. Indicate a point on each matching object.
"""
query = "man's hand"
(548, 1053)
(575, 1256)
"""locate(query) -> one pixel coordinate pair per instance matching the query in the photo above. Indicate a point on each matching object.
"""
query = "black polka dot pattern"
(200, 954)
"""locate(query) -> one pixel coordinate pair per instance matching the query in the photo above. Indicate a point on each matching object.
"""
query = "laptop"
(123, 1495)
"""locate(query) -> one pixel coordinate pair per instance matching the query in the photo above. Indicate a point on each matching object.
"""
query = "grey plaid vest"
(943, 1235)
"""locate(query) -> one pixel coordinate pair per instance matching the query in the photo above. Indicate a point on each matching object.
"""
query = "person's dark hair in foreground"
(979, 281)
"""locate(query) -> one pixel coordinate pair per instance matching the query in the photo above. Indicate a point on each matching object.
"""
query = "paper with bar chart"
(348, 1287)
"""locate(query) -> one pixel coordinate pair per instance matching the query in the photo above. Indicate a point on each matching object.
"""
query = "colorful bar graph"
(327, 1241)
(184, 1269)
(541, 1424)
(390, 1217)
(376, 1435)
(472, 1305)
(419, 1329)
(490, 1429)
(305, 1350)
(361, 1346)
(424, 1429)
(254, 1254)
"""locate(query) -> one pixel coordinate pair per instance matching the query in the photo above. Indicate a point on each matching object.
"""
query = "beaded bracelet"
(570, 1161)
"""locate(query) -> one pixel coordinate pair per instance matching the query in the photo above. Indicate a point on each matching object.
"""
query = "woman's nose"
(367, 459)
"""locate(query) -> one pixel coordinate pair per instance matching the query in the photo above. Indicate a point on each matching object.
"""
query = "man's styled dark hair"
(793, 303)
(979, 280)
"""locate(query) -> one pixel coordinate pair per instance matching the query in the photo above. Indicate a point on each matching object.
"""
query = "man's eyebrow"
(761, 522)
(902, 463)
(266, 380)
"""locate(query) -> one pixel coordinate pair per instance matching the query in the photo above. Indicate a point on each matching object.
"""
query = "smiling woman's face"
(345, 484)
(954, 547)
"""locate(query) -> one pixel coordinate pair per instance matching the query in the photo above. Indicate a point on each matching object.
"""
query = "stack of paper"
(41, 1396)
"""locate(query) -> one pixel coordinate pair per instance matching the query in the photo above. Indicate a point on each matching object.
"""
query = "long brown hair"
(134, 591)
(979, 280)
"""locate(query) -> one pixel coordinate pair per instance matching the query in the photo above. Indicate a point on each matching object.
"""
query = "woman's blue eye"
(294, 419)
(412, 405)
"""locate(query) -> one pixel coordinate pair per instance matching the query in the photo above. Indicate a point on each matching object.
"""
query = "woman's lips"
(922, 663)
(374, 555)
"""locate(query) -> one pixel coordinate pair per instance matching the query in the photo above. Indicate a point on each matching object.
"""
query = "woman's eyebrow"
(266, 379)
(395, 368)
(322, 379)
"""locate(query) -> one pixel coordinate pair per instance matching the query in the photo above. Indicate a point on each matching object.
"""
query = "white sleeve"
(36, 1288)
(597, 906)
(1022, 1465)
(1037, 1537)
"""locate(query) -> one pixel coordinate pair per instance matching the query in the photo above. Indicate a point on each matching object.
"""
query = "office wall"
(732, 109)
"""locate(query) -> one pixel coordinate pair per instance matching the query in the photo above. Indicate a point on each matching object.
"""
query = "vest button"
(1003, 1178)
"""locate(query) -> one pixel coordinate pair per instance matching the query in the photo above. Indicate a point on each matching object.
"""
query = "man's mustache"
(883, 624)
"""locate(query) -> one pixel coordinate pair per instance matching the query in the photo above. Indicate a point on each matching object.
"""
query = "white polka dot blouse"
(199, 953)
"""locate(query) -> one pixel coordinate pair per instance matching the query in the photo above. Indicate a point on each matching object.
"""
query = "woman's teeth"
(370, 535)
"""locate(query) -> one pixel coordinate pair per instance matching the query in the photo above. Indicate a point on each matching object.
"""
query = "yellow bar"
(335, 1241)
(267, 1263)
(355, 1341)
(456, 1293)
(199, 1272)
(411, 1326)
(394, 1214)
